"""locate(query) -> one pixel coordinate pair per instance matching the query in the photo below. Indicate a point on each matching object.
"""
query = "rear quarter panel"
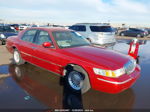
(11, 42)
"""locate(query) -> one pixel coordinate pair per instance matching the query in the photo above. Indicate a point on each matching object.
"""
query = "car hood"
(98, 57)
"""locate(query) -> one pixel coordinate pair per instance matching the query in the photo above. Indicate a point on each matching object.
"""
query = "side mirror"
(47, 44)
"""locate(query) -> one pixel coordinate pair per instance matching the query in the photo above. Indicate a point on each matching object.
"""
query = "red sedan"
(68, 54)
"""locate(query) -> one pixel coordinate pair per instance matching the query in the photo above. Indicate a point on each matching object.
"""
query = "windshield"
(101, 29)
(66, 39)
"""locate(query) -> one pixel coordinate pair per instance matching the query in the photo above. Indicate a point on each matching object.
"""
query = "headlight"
(2, 36)
(130, 66)
(109, 73)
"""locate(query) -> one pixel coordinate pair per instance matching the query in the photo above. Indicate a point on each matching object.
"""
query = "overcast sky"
(73, 11)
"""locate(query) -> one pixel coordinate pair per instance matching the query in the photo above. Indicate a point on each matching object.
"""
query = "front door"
(45, 57)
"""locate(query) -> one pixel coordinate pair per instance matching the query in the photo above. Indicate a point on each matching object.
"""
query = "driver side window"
(43, 37)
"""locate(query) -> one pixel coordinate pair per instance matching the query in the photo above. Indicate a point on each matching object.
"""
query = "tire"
(3, 42)
(138, 35)
(77, 81)
(17, 58)
(122, 34)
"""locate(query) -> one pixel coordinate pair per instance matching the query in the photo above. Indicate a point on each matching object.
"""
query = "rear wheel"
(3, 42)
(138, 35)
(17, 58)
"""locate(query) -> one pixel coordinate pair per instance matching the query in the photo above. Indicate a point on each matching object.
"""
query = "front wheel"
(17, 58)
(77, 81)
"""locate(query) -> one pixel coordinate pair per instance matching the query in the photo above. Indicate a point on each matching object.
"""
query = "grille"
(130, 66)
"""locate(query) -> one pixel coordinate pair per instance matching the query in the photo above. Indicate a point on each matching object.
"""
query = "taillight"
(17, 28)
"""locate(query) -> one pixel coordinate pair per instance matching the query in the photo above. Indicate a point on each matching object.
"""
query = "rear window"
(101, 29)
(78, 28)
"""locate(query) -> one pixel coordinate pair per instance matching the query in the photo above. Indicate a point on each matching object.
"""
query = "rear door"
(26, 45)
(129, 32)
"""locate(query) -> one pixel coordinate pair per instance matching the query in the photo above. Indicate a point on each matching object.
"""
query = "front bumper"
(116, 85)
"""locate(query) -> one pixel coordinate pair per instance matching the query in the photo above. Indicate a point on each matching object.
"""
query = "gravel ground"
(5, 56)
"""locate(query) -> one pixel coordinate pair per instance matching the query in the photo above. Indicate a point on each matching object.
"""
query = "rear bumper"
(117, 86)
(103, 41)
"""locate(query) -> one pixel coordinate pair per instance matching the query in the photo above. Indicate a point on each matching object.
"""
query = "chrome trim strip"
(40, 59)
(45, 69)
(115, 82)
(26, 53)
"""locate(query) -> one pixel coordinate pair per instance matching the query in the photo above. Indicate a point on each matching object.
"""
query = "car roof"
(52, 29)
(99, 24)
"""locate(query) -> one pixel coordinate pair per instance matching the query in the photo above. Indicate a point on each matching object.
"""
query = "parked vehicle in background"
(148, 29)
(16, 26)
(5, 32)
(115, 30)
(145, 31)
(68, 54)
(34, 25)
(96, 33)
(23, 26)
(133, 32)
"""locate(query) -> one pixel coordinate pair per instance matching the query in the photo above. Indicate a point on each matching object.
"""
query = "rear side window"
(134, 29)
(101, 29)
(78, 28)
(29, 35)
(43, 37)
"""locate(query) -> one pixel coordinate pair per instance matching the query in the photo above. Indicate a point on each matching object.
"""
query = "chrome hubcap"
(16, 56)
(75, 80)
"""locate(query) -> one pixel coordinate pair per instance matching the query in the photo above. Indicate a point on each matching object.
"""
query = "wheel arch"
(14, 47)
(72, 66)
